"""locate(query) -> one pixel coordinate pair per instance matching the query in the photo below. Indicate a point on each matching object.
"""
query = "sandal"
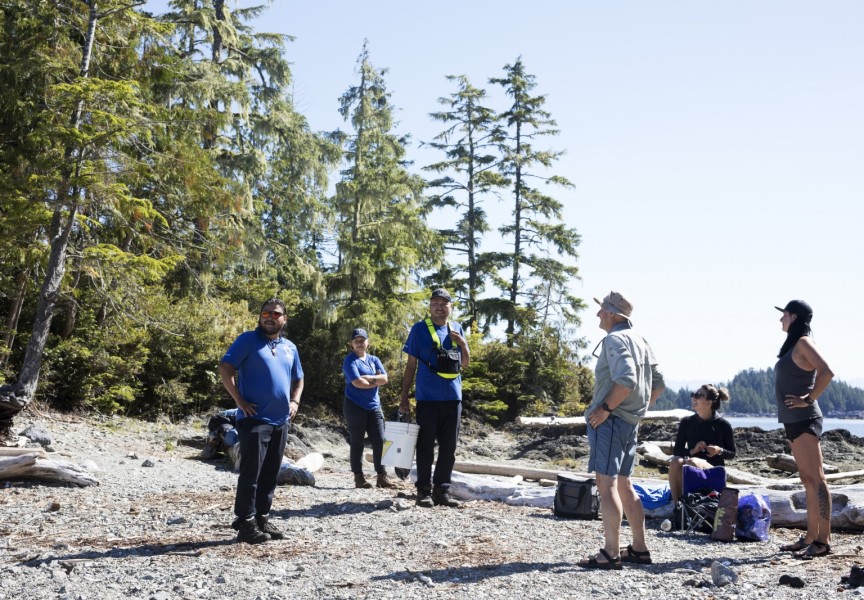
(797, 546)
(634, 556)
(610, 563)
(814, 550)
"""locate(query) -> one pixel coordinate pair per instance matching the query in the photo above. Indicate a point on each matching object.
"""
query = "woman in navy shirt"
(362, 408)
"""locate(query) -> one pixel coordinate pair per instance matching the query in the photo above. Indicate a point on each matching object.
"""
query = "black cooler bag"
(576, 498)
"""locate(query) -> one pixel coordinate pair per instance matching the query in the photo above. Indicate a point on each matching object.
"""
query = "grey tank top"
(792, 379)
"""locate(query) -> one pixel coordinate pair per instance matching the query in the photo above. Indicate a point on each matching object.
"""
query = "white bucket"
(400, 439)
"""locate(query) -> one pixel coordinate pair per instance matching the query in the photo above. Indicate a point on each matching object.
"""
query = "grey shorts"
(613, 447)
(812, 426)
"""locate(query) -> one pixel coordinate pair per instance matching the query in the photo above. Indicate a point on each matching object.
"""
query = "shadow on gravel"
(181, 549)
(327, 509)
(737, 563)
(480, 572)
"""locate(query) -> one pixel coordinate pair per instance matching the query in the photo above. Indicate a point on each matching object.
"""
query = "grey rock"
(722, 575)
(176, 520)
(291, 475)
(38, 435)
(386, 503)
(148, 463)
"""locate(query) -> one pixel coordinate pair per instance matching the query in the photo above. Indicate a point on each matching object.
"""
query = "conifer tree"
(468, 176)
(541, 242)
(383, 241)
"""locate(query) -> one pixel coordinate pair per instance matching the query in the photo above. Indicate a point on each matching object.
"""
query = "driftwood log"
(786, 462)
(29, 466)
(511, 470)
(579, 425)
(22, 451)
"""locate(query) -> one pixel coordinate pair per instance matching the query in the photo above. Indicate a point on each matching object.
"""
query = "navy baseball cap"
(442, 293)
(359, 332)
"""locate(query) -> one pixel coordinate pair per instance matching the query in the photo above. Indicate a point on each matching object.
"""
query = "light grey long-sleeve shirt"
(626, 359)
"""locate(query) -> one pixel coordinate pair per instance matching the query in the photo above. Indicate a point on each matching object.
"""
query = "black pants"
(360, 422)
(439, 421)
(261, 450)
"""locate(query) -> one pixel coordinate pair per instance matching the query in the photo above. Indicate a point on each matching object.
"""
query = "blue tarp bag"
(754, 518)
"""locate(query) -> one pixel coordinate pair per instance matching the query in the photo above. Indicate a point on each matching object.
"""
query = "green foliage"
(534, 378)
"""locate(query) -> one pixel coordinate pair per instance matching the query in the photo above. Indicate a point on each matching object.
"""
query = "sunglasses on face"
(698, 395)
(265, 314)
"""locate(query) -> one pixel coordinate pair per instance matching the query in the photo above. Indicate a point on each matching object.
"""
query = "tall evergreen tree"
(469, 175)
(536, 227)
(383, 241)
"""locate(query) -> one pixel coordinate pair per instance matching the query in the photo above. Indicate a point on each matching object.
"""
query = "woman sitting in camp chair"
(704, 440)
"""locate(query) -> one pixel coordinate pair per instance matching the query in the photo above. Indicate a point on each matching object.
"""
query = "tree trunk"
(15, 314)
(15, 397)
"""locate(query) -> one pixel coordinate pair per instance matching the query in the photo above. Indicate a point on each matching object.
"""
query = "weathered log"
(483, 468)
(40, 452)
(28, 466)
(578, 423)
(663, 446)
(844, 475)
(786, 462)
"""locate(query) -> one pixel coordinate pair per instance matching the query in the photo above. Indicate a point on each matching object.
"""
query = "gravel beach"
(162, 532)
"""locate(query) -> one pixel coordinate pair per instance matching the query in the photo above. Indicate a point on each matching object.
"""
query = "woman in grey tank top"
(801, 377)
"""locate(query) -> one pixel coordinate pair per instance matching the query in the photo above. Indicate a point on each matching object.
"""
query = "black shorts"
(812, 426)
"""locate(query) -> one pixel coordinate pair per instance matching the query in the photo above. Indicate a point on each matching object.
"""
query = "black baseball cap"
(797, 307)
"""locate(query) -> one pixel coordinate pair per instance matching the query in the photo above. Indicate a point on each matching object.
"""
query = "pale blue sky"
(716, 148)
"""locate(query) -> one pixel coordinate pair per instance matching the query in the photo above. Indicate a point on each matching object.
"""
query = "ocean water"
(853, 426)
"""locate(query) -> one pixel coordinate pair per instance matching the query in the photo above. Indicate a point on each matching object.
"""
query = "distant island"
(752, 394)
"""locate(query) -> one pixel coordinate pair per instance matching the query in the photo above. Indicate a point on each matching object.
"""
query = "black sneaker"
(424, 499)
(269, 528)
(441, 497)
(248, 532)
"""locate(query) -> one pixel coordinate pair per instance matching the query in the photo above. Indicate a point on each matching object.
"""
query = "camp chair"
(698, 504)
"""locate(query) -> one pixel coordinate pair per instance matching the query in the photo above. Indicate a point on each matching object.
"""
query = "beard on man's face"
(270, 326)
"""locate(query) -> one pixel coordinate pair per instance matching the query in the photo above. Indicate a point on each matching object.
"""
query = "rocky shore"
(162, 531)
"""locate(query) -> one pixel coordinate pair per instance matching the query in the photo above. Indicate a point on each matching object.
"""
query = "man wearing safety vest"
(437, 351)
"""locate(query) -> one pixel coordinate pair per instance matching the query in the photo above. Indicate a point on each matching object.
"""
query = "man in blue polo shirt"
(439, 396)
(262, 373)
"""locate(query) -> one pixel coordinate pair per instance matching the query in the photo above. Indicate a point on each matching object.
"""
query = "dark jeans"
(360, 422)
(261, 450)
(438, 421)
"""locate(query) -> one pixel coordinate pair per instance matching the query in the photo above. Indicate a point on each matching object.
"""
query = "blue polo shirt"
(430, 385)
(355, 367)
(266, 370)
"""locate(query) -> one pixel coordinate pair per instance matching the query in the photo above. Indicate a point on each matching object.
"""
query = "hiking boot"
(384, 482)
(269, 528)
(360, 481)
(441, 497)
(248, 532)
(424, 498)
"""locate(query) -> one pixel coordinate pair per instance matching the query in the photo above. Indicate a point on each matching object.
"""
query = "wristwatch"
(605, 407)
